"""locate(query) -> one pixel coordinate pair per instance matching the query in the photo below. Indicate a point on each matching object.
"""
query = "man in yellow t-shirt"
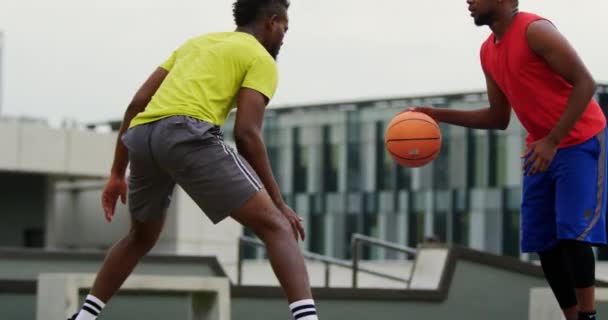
(171, 134)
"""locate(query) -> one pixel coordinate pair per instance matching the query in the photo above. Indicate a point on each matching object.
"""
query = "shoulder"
(264, 61)
(530, 20)
(542, 37)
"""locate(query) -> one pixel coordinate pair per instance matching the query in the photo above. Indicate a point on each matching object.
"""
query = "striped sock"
(90, 308)
(304, 310)
(586, 315)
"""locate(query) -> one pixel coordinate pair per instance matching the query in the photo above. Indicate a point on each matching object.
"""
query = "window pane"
(441, 164)
(301, 163)
(386, 167)
(511, 222)
(331, 154)
(460, 231)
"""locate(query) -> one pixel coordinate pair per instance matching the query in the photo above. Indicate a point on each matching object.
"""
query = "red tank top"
(537, 94)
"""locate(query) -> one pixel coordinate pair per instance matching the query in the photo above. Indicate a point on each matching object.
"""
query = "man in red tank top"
(531, 68)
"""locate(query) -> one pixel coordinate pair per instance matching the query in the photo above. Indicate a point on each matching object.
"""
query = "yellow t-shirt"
(205, 75)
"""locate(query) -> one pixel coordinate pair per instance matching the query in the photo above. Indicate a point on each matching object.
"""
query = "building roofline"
(406, 99)
(368, 100)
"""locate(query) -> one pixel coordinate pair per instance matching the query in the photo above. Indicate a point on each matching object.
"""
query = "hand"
(294, 220)
(429, 111)
(116, 187)
(540, 153)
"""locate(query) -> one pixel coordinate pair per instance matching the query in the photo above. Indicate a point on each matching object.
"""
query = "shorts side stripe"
(601, 171)
(241, 166)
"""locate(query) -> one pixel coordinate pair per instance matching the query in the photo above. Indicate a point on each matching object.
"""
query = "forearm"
(575, 107)
(476, 119)
(121, 154)
(252, 148)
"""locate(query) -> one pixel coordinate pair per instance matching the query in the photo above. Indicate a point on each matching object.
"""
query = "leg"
(580, 205)
(266, 221)
(149, 196)
(150, 190)
(582, 260)
(560, 279)
(223, 184)
(539, 234)
(119, 263)
(124, 256)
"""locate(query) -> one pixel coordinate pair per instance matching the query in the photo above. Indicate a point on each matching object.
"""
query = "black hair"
(246, 12)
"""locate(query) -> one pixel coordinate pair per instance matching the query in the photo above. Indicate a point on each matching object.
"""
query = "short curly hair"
(246, 12)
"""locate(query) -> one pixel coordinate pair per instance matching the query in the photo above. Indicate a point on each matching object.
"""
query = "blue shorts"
(568, 200)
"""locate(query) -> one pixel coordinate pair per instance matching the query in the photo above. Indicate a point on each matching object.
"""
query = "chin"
(483, 20)
(275, 54)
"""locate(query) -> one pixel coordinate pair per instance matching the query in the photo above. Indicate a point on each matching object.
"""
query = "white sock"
(91, 308)
(304, 310)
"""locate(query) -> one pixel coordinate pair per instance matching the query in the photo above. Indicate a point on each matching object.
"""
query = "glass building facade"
(1, 68)
(334, 170)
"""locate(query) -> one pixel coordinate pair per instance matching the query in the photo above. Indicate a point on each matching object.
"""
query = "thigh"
(538, 221)
(212, 173)
(259, 213)
(150, 187)
(580, 191)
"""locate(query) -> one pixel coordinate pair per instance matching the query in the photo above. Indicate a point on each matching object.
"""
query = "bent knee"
(143, 239)
(273, 224)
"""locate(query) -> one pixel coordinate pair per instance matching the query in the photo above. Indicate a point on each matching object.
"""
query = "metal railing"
(358, 239)
(327, 261)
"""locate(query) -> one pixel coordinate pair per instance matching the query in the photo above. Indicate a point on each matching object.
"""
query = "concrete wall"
(30, 147)
(69, 208)
(18, 298)
(477, 292)
(22, 209)
(78, 222)
(26, 265)
(1, 69)
(195, 234)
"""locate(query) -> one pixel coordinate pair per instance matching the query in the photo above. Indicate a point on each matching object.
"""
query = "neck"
(502, 23)
(250, 30)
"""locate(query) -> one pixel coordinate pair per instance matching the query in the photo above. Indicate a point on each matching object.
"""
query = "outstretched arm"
(496, 116)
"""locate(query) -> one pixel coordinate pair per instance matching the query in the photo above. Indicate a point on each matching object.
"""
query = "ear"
(274, 19)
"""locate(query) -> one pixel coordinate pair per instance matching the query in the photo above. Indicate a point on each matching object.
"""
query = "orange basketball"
(413, 139)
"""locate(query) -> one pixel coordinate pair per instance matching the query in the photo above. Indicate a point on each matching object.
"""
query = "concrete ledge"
(47, 256)
(58, 294)
(544, 306)
(429, 265)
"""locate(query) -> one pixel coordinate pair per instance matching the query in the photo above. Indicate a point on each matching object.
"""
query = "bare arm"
(137, 105)
(497, 116)
(248, 137)
(116, 187)
(546, 41)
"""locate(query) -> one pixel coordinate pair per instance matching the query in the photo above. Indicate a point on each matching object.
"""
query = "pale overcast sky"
(84, 59)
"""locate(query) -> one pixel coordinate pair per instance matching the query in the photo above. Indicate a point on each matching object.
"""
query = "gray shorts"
(191, 153)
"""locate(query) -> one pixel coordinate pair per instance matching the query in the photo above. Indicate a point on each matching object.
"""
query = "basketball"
(413, 139)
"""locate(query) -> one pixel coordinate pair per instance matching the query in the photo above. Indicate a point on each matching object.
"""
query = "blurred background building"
(330, 162)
